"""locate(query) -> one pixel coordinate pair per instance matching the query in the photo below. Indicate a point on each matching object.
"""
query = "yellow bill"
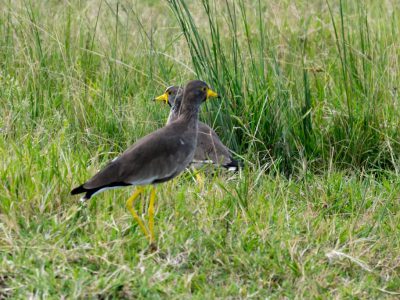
(211, 94)
(163, 97)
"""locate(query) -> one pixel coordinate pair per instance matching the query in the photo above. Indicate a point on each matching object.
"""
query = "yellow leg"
(151, 213)
(129, 206)
(199, 179)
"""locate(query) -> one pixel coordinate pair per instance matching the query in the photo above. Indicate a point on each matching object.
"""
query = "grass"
(310, 102)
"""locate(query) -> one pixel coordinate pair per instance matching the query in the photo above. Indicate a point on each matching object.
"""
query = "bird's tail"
(234, 165)
(80, 189)
(90, 192)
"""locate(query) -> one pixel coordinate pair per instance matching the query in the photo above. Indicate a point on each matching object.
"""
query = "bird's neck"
(173, 115)
(190, 116)
(175, 111)
(175, 108)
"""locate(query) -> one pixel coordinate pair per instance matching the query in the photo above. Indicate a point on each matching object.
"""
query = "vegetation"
(310, 103)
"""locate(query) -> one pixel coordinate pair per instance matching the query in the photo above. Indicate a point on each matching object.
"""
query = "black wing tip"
(234, 165)
(90, 192)
(78, 190)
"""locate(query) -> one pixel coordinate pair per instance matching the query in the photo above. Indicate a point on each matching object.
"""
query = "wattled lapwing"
(155, 158)
(210, 148)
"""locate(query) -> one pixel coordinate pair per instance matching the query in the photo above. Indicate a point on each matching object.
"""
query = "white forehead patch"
(171, 86)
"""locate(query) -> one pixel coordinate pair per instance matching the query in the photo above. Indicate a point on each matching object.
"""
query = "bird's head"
(169, 95)
(198, 91)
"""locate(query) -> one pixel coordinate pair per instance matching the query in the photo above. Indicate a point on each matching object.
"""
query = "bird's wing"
(160, 155)
(210, 146)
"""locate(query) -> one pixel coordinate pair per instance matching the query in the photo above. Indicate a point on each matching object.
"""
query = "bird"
(209, 149)
(156, 158)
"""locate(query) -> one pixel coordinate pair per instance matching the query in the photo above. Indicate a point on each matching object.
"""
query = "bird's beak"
(163, 97)
(211, 94)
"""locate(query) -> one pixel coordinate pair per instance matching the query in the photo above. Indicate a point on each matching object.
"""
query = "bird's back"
(154, 158)
(210, 147)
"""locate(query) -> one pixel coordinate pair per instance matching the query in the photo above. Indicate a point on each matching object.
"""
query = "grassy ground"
(310, 102)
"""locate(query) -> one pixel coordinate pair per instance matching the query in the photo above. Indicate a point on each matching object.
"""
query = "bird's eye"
(204, 89)
(169, 93)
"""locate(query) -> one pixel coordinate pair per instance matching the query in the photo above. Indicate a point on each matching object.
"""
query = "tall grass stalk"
(308, 87)
(262, 113)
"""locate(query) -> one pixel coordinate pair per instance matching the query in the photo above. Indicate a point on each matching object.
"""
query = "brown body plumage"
(155, 158)
(209, 148)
